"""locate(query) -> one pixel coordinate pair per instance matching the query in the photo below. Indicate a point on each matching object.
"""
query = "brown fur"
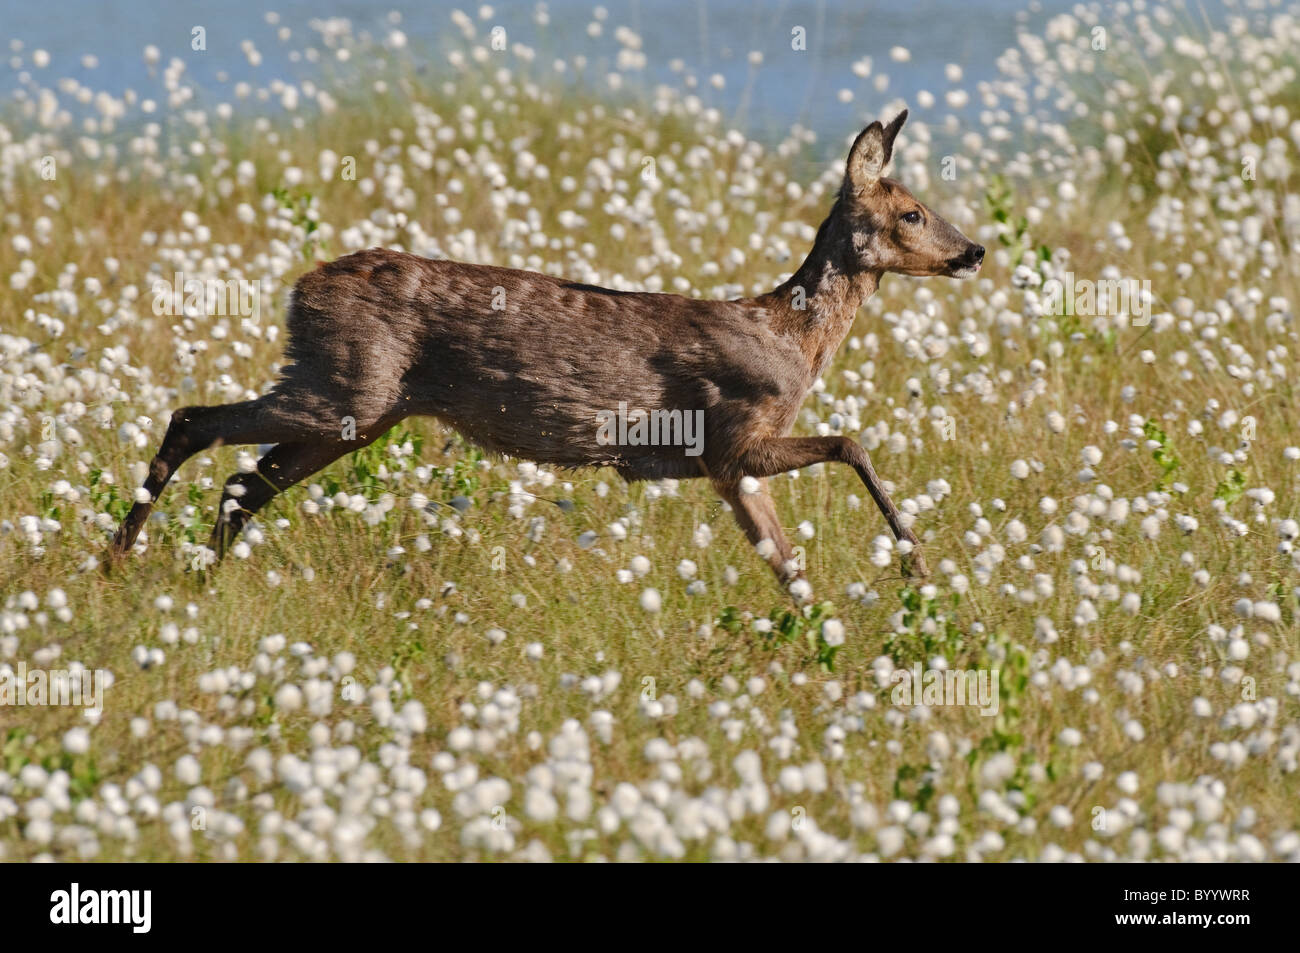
(379, 335)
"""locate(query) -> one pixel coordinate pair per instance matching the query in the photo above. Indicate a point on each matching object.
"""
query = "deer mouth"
(967, 264)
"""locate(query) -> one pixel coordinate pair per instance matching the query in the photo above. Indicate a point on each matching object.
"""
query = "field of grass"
(426, 654)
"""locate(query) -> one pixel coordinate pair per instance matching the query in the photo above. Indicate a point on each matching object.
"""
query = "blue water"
(710, 36)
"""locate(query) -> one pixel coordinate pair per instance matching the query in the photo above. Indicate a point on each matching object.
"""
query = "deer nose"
(977, 253)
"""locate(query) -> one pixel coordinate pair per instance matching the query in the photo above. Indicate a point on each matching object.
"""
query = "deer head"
(891, 229)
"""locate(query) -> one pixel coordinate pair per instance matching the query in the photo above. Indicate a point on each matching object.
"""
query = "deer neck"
(818, 303)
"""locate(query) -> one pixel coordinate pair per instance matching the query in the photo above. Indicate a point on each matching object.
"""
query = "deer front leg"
(756, 514)
(782, 454)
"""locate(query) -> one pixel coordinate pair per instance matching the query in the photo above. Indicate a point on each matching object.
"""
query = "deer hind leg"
(756, 514)
(192, 430)
(782, 454)
(280, 468)
(283, 466)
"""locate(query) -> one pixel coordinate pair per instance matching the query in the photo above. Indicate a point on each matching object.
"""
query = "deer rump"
(537, 367)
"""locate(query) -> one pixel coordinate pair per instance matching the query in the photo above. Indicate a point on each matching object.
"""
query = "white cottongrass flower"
(76, 741)
(833, 632)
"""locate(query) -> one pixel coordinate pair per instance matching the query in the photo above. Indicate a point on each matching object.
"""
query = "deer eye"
(912, 218)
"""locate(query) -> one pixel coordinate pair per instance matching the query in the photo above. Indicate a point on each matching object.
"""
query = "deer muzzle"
(967, 264)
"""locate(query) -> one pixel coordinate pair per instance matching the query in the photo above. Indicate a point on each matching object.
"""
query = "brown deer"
(527, 365)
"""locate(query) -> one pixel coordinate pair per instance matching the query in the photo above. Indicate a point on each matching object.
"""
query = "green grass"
(416, 621)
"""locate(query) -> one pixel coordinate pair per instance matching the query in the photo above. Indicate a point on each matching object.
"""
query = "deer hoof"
(914, 566)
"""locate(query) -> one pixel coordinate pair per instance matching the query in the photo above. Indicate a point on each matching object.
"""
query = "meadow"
(427, 653)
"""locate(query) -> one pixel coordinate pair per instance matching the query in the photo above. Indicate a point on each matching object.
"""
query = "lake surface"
(709, 37)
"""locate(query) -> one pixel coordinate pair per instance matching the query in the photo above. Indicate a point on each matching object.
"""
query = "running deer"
(529, 365)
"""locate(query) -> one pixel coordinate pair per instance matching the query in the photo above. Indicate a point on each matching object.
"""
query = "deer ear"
(891, 133)
(867, 159)
(871, 152)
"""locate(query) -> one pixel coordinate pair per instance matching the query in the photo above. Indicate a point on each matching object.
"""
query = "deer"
(524, 365)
